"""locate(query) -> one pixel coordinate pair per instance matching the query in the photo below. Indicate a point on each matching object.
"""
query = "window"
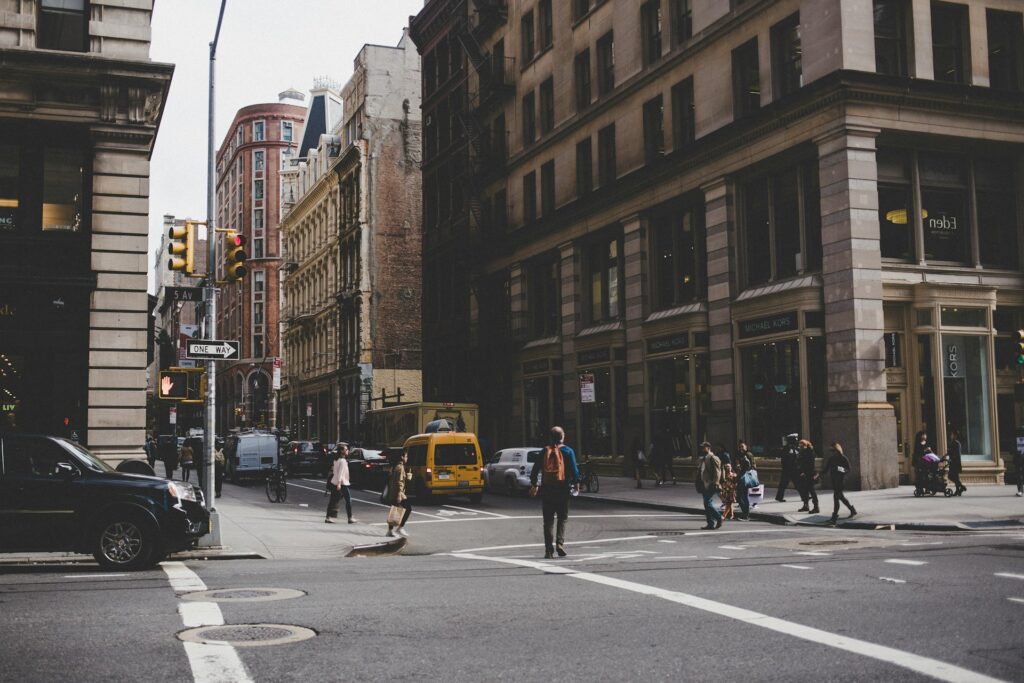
(258, 131)
(258, 233)
(547, 35)
(681, 16)
(10, 187)
(892, 28)
(239, 136)
(949, 42)
(895, 200)
(582, 70)
(650, 28)
(543, 298)
(678, 254)
(63, 187)
(63, 25)
(529, 119)
(580, 9)
(526, 31)
(429, 74)
(286, 131)
(604, 274)
(529, 197)
(258, 160)
(547, 106)
(259, 283)
(606, 64)
(257, 190)
(606, 155)
(944, 207)
(683, 114)
(787, 73)
(1005, 49)
(746, 80)
(654, 129)
(782, 211)
(584, 168)
(547, 189)
(997, 212)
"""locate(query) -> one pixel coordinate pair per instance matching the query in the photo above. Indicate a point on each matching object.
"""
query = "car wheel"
(511, 487)
(125, 542)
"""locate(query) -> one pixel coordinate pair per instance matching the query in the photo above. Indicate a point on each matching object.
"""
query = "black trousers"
(218, 478)
(955, 478)
(337, 493)
(838, 497)
(186, 470)
(554, 504)
(785, 479)
(807, 492)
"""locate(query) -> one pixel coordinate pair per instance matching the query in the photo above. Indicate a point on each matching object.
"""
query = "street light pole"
(210, 298)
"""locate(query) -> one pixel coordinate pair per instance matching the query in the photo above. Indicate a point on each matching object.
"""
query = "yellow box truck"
(391, 426)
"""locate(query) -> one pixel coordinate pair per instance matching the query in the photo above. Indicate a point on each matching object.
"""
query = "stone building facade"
(699, 220)
(80, 105)
(352, 239)
(258, 145)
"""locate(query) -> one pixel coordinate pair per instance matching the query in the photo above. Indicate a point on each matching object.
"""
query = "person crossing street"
(559, 480)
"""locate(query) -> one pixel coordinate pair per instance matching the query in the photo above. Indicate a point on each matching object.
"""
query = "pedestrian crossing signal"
(185, 385)
(234, 256)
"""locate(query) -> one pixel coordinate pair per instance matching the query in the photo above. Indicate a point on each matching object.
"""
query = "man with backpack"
(559, 477)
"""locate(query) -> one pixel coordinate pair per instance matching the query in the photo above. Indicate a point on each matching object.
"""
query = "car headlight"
(181, 491)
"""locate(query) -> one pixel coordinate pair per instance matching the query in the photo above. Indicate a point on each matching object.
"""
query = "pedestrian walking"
(709, 483)
(185, 460)
(151, 450)
(339, 486)
(169, 455)
(663, 452)
(837, 466)
(723, 454)
(638, 459)
(806, 474)
(790, 456)
(744, 463)
(728, 491)
(219, 462)
(921, 446)
(396, 494)
(560, 481)
(953, 455)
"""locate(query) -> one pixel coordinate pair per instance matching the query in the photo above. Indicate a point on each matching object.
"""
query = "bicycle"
(277, 484)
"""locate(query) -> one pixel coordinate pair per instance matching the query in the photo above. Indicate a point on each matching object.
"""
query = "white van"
(249, 454)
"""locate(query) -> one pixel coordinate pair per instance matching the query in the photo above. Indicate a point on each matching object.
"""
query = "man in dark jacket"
(805, 469)
(787, 476)
(837, 465)
(555, 489)
(744, 463)
(709, 480)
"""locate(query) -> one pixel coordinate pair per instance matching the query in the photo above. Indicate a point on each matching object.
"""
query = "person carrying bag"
(401, 508)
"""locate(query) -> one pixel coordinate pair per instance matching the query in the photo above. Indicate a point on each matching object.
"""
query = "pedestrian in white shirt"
(339, 487)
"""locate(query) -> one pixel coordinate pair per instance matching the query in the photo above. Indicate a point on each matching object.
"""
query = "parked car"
(309, 457)
(510, 470)
(249, 454)
(367, 468)
(56, 496)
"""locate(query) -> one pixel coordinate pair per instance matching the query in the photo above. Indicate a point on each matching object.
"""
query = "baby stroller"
(931, 477)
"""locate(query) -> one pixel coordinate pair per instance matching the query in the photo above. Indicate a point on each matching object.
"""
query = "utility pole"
(210, 299)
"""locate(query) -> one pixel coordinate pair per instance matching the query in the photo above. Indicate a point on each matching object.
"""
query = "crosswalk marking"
(1007, 575)
(890, 580)
(913, 563)
(795, 566)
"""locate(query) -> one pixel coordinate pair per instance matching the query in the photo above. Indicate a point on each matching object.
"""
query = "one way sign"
(210, 349)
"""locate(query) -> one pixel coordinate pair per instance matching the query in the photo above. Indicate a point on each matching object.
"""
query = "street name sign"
(210, 349)
(184, 293)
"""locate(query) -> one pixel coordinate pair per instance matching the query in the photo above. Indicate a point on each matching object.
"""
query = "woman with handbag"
(397, 498)
(838, 465)
(746, 477)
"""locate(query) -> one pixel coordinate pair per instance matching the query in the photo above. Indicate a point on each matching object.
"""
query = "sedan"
(367, 468)
(307, 457)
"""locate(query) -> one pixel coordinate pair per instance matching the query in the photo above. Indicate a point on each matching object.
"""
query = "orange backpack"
(554, 464)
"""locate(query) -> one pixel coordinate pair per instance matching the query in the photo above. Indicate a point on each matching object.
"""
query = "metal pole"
(210, 298)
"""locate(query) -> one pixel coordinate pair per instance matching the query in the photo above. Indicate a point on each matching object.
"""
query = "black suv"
(57, 496)
(309, 457)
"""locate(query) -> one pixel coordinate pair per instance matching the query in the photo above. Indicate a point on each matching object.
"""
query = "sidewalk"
(981, 507)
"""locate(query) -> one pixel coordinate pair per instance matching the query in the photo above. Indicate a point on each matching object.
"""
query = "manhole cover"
(245, 595)
(247, 635)
(837, 542)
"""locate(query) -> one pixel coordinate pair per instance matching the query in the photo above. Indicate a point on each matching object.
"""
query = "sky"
(265, 47)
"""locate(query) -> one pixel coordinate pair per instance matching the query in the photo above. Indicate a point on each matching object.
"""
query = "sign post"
(587, 388)
(211, 349)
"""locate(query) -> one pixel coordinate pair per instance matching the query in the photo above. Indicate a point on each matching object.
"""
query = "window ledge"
(695, 307)
(784, 286)
(546, 341)
(598, 329)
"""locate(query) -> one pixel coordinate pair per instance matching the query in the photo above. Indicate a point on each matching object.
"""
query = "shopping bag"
(395, 515)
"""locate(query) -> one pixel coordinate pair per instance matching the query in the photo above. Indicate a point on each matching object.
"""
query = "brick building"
(80, 105)
(727, 219)
(259, 143)
(352, 241)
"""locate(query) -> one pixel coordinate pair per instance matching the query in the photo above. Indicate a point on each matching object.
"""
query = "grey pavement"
(980, 507)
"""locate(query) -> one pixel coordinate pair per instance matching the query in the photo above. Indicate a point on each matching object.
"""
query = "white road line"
(183, 579)
(93, 576)
(717, 557)
(923, 665)
(210, 662)
(923, 543)
(890, 580)
(1007, 575)
(665, 541)
(737, 531)
(912, 563)
(673, 557)
(541, 545)
(454, 520)
(482, 512)
(732, 547)
(195, 614)
(1020, 600)
(796, 566)
(368, 502)
(814, 553)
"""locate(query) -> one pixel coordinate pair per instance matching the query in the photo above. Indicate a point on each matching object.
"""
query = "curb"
(384, 548)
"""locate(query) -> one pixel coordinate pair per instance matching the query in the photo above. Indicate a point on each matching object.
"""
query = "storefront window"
(817, 372)
(671, 401)
(926, 386)
(895, 202)
(998, 224)
(771, 390)
(9, 174)
(944, 207)
(537, 409)
(596, 425)
(966, 381)
(62, 189)
(955, 316)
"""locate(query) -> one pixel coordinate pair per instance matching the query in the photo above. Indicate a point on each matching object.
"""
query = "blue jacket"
(572, 471)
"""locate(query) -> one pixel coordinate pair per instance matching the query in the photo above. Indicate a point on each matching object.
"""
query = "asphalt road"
(642, 595)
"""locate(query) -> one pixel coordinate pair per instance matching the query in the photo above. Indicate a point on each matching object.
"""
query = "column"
(856, 414)
(570, 321)
(635, 260)
(719, 218)
(118, 311)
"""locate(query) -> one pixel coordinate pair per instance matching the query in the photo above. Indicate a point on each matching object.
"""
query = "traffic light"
(173, 385)
(1020, 347)
(182, 247)
(234, 256)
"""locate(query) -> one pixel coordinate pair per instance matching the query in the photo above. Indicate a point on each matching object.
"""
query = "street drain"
(247, 635)
(245, 595)
(839, 542)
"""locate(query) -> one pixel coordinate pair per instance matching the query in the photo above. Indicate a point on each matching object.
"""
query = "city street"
(641, 594)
